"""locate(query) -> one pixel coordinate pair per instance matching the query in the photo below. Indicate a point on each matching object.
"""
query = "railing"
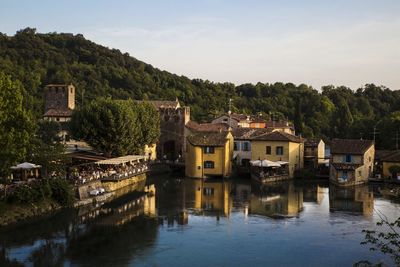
(272, 175)
(107, 176)
(126, 174)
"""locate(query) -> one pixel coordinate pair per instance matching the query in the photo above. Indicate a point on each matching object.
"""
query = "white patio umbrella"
(264, 163)
(25, 166)
(268, 163)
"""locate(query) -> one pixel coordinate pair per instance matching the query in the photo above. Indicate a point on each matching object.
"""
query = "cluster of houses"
(269, 150)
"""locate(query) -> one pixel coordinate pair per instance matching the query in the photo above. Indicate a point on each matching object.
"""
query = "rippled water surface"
(190, 222)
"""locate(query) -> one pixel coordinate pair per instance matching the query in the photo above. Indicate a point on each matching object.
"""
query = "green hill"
(38, 59)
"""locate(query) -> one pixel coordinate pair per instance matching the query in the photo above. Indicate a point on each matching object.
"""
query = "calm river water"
(190, 222)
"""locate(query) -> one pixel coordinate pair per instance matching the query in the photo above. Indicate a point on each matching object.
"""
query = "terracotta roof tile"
(279, 136)
(392, 157)
(208, 139)
(207, 127)
(312, 142)
(380, 154)
(350, 146)
(248, 133)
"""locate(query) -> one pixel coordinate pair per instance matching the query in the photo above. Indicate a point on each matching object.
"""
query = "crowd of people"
(87, 173)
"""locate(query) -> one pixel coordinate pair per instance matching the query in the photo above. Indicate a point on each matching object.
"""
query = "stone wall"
(60, 97)
(172, 127)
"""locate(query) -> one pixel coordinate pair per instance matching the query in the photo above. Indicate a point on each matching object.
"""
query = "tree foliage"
(386, 239)
(16, 125)
(47, 150)
(37, 59)
(116, 127)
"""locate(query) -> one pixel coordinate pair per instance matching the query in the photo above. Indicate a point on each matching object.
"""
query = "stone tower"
(59, 97)
(59, 101)
(173, 118)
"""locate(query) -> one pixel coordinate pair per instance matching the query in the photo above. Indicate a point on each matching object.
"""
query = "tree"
(149, 121)
(47, 150)
(116, 127)
(298, 117)
(16, 124)
(385, 240)
(343, 119)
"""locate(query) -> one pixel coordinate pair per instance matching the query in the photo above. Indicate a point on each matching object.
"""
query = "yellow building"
(279, 146)
(314, 153)
(352, 161)
(150, 151)
(391, 159)
(209, 154)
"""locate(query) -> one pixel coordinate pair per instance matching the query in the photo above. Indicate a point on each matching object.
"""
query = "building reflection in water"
(276, 200)
(358, 199)
(211, 196)
(314, 193)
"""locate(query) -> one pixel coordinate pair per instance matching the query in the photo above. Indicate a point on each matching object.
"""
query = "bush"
(62, 191)
(57, 189)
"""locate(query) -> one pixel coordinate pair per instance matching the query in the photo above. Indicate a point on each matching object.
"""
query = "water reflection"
(314, 193)
(128, 229)
(277, 200)
(358, 199)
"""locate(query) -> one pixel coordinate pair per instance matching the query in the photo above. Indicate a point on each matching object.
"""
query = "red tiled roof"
(312, 142)
(257, 120)
(58, 113)
(394, 156)
(350, 146)
(248, 133)
(279, 136)
(207, 127)
(208, 139)
(235, 116)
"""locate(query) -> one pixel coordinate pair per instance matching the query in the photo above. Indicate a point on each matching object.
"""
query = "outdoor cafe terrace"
(113, 169)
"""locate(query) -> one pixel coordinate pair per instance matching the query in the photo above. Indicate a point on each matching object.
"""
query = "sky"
(317, 42)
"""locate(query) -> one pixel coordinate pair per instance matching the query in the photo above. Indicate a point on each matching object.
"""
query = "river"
(190, 222)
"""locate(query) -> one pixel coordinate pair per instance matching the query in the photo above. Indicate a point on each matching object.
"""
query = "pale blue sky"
(315, 42)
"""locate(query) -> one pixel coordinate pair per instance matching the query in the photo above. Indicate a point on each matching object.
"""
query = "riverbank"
(14, 213)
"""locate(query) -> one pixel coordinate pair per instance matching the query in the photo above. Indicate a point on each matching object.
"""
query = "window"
(236, 146)
(344, 175)
(225, 120)
(208, 164)
(348, 158)
(279, 150)
(209, 150)
(208, 191)
(246, 146)
(268, 150)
